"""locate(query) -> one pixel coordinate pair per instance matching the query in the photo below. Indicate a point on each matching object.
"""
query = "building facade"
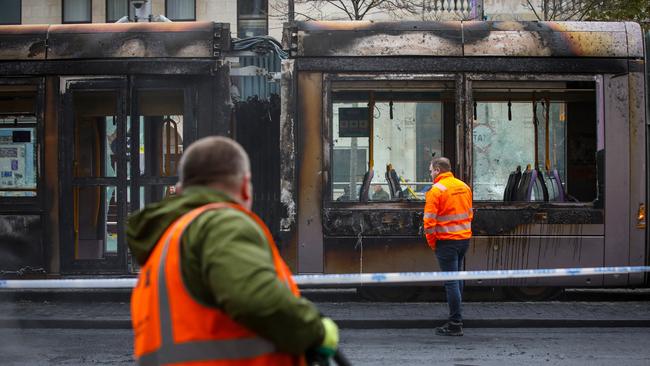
(247, 17)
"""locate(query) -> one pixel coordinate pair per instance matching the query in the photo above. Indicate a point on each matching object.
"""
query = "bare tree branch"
(532, 7)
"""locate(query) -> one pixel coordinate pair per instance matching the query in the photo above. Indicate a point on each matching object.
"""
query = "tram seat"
(537, 185)
(393, 184)
(556, 186)
(365, 186)
(521, 193)
(510, 193)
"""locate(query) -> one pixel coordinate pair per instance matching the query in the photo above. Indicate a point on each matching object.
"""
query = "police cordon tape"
(349, 279)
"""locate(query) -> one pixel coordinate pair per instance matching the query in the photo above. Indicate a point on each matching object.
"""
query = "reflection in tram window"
(161, 117)
(95, 208)
(18, 141)
(535, 143)
(95, 224)
(94, 134)
(161, 131)
(405, 134)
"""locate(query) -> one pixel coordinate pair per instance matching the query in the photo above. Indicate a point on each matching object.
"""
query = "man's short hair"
(213, 159)
(441, 164)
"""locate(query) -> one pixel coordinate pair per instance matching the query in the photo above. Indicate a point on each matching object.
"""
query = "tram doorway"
(121, 144)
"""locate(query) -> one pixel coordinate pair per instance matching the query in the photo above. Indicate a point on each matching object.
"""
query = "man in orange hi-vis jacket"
(213, 289)
(448, 228)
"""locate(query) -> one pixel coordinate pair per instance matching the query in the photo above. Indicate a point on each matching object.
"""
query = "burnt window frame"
(90, 14)
(20, 15)
(597, 79)
(180, 19)
(31, 202)
(329, 81)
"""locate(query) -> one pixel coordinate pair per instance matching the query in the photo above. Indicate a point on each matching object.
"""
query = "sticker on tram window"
(8, 152)
(353, 122)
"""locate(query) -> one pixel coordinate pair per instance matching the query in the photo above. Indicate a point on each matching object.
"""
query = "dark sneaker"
(450, 329)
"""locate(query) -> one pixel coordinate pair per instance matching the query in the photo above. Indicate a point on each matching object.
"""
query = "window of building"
(252, 18)
(18, 142)
(535, 142)
(77, 11)
(180, 9)
(116, 9)
(11, 11)
(406, 127)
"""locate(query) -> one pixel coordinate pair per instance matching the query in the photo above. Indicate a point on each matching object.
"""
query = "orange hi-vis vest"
(172, 328)
(448, 210)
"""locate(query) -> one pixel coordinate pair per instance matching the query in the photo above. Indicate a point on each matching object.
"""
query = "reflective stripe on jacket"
(448, 210)
(171, 327)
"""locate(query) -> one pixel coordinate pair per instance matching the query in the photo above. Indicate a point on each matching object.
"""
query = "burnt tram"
(93, 121)
(546, 121)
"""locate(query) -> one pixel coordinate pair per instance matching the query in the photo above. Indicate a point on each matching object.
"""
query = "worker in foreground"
(213, 289)
(448, 227)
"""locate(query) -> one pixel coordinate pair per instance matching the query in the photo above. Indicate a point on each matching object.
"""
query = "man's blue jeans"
(450, 254)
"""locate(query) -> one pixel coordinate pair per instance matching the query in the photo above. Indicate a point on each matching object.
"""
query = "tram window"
(406, 130)
(18, 141)
(161, 131)
(561, 117)
(95, 132)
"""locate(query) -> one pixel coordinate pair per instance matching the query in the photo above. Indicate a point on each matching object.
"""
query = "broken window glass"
(406, 128)
(535, 142)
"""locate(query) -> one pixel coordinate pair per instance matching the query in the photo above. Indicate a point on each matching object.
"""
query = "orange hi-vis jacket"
(448, 210)
(172, 328)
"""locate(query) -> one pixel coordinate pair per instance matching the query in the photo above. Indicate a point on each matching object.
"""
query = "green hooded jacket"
(227, 263)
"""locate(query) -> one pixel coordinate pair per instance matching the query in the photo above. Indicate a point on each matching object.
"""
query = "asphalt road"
(576, 346)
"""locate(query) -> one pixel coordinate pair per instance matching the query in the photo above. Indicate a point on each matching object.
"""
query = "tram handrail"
(350, 279)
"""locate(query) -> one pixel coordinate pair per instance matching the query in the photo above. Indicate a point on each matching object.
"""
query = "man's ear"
(246, 189)
(178, 188)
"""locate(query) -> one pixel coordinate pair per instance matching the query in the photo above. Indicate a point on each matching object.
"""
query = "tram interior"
(407, 129)
(536, 142)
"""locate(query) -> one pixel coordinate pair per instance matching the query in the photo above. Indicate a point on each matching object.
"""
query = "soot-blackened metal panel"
(22, 42)
(517, 39)
(617, 175)
(310, 184)
(342, 222)
(545, 39)
(20, 244)
(258, 131)
(638, 166)
(376, 39)
(288, 147)
(517, 252)
(372, 255)
(134, 40)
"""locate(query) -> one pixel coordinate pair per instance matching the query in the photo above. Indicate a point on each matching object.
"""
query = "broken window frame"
(361, 82)
(531, 78)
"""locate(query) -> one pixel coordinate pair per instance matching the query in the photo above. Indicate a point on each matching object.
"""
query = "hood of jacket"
(145, 227)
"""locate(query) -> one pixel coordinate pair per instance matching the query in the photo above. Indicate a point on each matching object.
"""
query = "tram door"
(122, 145)
(94, 185)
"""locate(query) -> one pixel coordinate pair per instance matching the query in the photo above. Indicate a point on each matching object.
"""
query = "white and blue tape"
(350, 279)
